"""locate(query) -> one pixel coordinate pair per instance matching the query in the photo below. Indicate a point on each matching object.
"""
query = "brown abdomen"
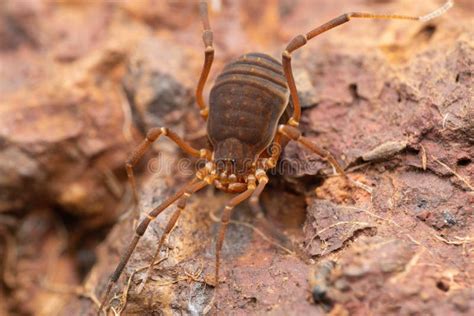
(247, 101)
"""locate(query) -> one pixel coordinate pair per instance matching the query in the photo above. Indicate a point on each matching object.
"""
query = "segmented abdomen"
(247, 100)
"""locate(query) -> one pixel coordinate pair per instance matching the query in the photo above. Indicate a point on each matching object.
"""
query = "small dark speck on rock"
(449, 218)
(422, 204)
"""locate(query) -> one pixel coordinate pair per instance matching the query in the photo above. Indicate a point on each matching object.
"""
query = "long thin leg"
(153, 135)
(208, 58)
(169, 227)
(257, 209)
(254, 198)
(140, 230)
(224, 222)
(294, 134)
(301, 40)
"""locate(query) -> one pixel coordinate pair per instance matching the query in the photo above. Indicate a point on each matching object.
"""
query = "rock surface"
(395, 105)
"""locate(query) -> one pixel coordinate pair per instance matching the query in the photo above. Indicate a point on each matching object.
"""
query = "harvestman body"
(245, 118)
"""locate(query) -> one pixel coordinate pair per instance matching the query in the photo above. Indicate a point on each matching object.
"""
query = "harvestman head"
(248, 112)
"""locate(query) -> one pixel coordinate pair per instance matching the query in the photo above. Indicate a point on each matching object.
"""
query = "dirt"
(391, 100)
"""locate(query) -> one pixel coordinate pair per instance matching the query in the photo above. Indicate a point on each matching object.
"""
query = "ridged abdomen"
(246, 102)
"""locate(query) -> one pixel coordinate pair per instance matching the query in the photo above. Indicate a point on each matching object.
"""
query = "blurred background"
(82, 81)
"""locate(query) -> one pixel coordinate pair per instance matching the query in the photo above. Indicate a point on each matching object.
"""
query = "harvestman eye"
(234, 94)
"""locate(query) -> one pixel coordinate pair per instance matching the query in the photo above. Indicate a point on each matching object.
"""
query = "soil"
(392, 100)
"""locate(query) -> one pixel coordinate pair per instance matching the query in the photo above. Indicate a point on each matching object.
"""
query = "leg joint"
(204, 112)
(289, 131)
(182, 203)
(207, 38)
(296, 43)
(261, 175)
(131, 161)
(293, 122)
(154, 133)
(141, 228)
(225, 221)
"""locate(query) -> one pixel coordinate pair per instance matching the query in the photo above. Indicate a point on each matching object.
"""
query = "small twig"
(459, 242)
(394, 224)
(116, 297)
(357, 167)
(332, 226)
(453, 172)
(416, 242)
(157, 262)
(124, 296)
(181, 278)
(208, 307)
(114, 311)
(362, 186)
(373, 215)
(445, 119)
(148, 268)
(141, 286)
(413, 262)
(413, 240)
(423, 157)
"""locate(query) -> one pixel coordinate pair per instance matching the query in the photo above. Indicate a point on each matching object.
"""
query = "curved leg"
(254, 198)
(301, 40)
(169, 227)
(208, 58)
(294, 134)
(153, 135)
(140, 230)
(259, 214)
(224, 222)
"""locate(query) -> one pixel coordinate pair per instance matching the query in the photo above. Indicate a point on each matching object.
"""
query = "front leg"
(225, 219)
(153, 135)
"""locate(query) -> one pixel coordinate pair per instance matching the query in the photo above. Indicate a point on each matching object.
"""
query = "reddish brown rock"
(391, 99)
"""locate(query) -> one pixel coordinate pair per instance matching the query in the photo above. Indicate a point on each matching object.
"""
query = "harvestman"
(253, 112)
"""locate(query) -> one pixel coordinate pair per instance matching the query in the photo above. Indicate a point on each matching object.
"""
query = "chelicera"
(253, 112)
